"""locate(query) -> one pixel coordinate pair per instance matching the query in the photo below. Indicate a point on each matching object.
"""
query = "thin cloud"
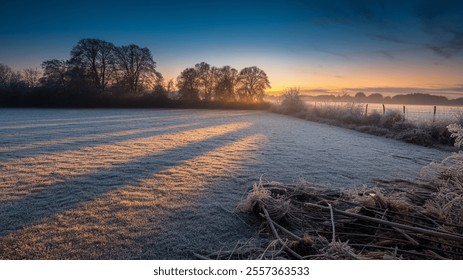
(386, 54)
(333, 53)
(442, 22)
(449, 48)
(390, 38)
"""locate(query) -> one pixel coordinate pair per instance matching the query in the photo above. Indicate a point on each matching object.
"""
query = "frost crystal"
(457, 133)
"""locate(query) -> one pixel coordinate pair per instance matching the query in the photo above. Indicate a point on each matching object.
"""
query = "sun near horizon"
(320, 47)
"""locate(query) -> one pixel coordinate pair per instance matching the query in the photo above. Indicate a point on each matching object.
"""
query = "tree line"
(100, 73)
(225, 84)
(412, 98)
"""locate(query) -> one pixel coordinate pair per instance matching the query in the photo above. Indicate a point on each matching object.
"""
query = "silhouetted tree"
(31, 77)
(11, 85)
(252, 83)
(6, 75)
(136, 67)
(375, 97)
(187, 84)
(227, 79)
(360, 96)
(207, 77)
(170, 86)
(96, 59)
(164, 88)
(419, 98)
(10, 79)
(54, 73)
(344, 97)
(160, 92)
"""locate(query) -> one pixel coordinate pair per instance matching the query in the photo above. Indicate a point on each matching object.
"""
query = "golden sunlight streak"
(90, 137)
(23, 176)
(119, 224)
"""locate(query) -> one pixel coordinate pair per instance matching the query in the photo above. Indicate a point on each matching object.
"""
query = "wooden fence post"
(366, 110)
(384, 109)
(404, 112)
(434, 116)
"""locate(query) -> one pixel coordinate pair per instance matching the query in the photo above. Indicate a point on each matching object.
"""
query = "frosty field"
(157, 184)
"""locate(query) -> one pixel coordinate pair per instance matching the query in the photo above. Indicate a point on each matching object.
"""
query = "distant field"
(414, 113)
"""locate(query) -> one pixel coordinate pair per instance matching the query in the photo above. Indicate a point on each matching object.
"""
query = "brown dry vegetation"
(397, 219)
(391, 124)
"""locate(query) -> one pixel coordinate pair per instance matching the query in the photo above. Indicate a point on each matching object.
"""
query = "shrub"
(373, 119)
(457, 133)
(291, 102)
(403, 125)
(373, 129)
(390, 118)
(440, 133)
(417, 136)
(352, 113)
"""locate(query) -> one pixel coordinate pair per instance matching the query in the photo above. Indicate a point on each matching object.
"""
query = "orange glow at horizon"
(414, 77)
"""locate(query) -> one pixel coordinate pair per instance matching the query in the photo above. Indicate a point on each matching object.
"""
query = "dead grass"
(391, 124)
(421, 219)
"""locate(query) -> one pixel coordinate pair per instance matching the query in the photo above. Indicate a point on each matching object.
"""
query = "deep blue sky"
(386, 46)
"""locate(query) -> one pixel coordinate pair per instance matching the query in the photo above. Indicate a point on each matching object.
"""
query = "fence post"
(384, 109)
(404, 112)
(366, 110)
(434, 116)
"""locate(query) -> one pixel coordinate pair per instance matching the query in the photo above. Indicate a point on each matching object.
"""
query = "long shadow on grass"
(167, 121)
(68, 195)
(100, 139)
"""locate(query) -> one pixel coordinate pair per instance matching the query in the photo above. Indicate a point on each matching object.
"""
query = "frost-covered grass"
(156, 184)
(457, 133)
(391, 124)
(121, 223)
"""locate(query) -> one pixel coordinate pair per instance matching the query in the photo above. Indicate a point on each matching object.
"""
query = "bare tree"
(5, 75)
(164, 88)
(252, 83)
(31, 77)
(96, 58)
(170, 86)
(54, 73)
(207, 77)
(227, 79)
(137, 68)
(187, 84)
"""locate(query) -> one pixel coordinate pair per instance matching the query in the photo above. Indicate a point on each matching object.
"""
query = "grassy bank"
(391, 124)
(421, 219)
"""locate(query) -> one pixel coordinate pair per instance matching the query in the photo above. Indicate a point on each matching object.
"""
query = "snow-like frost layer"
(165, 183)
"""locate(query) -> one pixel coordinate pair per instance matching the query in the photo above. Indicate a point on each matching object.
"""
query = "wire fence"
(412, 113)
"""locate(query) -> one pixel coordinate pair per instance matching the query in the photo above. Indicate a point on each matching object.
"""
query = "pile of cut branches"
(396, 219)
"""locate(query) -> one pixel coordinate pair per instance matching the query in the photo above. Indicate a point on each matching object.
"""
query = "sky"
(320, 47)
